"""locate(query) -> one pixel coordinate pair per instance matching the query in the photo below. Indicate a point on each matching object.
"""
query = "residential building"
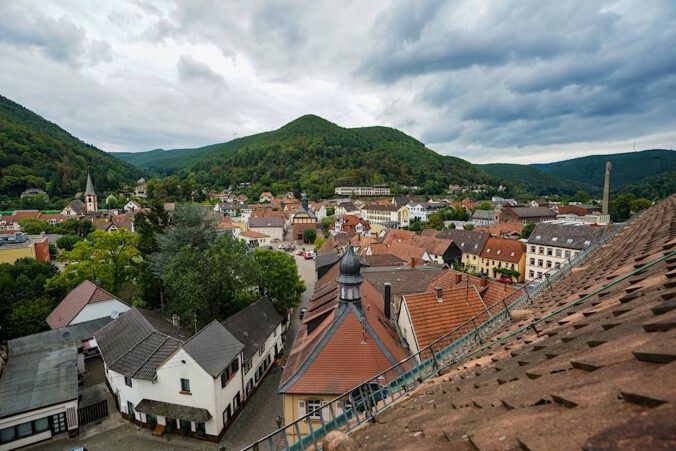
(131, 206)
(345, 207)
(255, 239)
(526, 214)
(404, 251)
(166, 381)
(269, 225)
(482, 217)
(30, 192)
(346, 337)
(492, 292)
(503, 253)
(140, 189)
(426, 317)
(74, 208)
(303, 219)
(19, 245)
(595, 218)
(470, 243)
(351, 223)
(86, 302)
(259, 327)
(11, 222)
(266, 197)
(362, 191)
(389, 215)
(579, 209)
(551, 244)
(231, 209)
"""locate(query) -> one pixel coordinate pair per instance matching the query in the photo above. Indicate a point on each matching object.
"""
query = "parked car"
(309, 255)
(300, 252)
(506, 279)
(302, 312)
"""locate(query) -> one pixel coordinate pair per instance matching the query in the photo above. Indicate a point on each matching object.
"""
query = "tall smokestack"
(606, 188)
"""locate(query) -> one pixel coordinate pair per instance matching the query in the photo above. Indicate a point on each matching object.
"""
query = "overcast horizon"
(514, 82)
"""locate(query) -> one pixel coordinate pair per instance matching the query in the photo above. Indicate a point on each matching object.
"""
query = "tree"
(110, 257)
(623, 206)
(279, 279)
(484, 205)
(148, 225)
(67, 242)
(468, 227)
(435, 222)
(527, 230)
(452, 226)
(209, 283)
(319, 242)
(33, 226)
(309, 235)
(580, 196)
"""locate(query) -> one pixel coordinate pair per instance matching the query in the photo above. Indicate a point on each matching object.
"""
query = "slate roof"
(169, 410)
(488, 215)
(253, 325)
(402, 281)
(598, 375)
(77, 333)
(213, 348)
(90, 186)
(433, 317)
(266, 221)
(537, 212)
(569, 236)
(85, 293)
(78, 206)
(326, 259)
(469, 242)
(381, 207)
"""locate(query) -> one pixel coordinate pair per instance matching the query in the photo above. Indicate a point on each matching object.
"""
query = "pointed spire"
(90, 185)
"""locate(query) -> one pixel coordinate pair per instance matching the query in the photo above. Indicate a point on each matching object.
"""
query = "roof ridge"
(183, 343)
(133, 347)
(151, 354)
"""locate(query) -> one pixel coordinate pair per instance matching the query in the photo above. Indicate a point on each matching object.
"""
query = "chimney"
(175, 320)
(458, 278)
(484, 282)
(439, 292)
(388, 301)
(413, 263)
(606, 188)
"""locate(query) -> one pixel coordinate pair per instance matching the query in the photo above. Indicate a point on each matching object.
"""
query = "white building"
(131, 206)
(386, 214)
(86, 302)
(255, 239)
(273, 226)
(165, 381)
(363, 191)
(551, 244)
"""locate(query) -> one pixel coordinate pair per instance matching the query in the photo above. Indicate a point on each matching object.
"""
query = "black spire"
(350, 277)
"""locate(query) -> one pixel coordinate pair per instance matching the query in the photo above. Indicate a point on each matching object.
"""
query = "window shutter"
(301, 409)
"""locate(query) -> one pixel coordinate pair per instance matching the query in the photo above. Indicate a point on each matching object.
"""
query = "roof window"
(587, 242)
(569, 241)
(538, 237)
(554, 239)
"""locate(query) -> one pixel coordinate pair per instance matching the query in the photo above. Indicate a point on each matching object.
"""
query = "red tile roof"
(254, 234)
(492, 293)
(405, 252)
(433, 318)
(85, 293)
(504, 250)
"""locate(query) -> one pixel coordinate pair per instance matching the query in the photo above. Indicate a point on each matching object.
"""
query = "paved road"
(258, 416)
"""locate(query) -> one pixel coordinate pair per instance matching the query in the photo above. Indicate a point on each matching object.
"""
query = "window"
(234, 367)
(549, 251)
(313, 404)
(567, 254)
(532, 249)
(185, 386)
(537, 237)
(540, 263)
(554, 239)
(569, 241)
(541, 250)
(130, 409)
(558, 253)
(7, 435)
(127, 381)
(587, 243)
(549, 264)
(532, 262)
(247, 366)
(499, 251)
(225, 376)
(531, 274)
(24, 430)
(488, 251)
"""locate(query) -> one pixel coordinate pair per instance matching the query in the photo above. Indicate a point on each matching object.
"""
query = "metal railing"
(365, 401)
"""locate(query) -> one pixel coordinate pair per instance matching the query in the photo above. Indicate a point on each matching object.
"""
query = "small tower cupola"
(91, 204)
(350, 278)
(304, 202)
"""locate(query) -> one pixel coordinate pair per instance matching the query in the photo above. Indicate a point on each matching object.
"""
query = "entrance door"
(227, 415)
(59, 424)
(130, 411)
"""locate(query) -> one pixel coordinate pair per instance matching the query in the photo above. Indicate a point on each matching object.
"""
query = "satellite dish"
(114, 314)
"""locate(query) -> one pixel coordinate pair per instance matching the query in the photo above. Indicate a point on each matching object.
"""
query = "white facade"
(417, 212)
(46, 418)
(255, 369)
(96, 310)
(275, 233)
(363, 191)
(131, 206)
(205, 392)
(542, 258)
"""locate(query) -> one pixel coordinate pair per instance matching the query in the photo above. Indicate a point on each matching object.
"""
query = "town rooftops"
(253, 325)
(253, 234)
(436, 312)
(38, 376)
(537, 212)
(214, 347)
(85, 293)
(381, 207)
(490, 291)
(469, 242)
(504, 249)
(569, 236)
(486, 215)
(266, 221)
(77, 333)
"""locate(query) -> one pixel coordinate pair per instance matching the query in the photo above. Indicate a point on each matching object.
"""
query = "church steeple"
(91, 204)
(350, 278)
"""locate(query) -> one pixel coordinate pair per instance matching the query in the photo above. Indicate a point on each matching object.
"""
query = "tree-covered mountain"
(319, 155)
(530, 180)
(628, 168)
(35, 153)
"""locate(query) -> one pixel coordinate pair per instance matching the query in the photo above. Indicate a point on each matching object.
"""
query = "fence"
(92, 413)
(364, 402)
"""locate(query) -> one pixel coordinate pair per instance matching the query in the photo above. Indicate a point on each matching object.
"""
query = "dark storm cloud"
(192, 70)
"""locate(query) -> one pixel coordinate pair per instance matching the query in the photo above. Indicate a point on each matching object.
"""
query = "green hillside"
(534, 181)
(35, 153)
(628, 168)
(319, 155)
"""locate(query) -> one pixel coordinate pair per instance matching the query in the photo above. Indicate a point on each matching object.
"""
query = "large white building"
(551, 244)
(363, 191)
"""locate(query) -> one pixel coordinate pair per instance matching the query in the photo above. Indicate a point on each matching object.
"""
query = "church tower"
(91, 204)
(350, 278)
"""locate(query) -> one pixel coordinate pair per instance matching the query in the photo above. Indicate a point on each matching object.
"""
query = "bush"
(67, 242)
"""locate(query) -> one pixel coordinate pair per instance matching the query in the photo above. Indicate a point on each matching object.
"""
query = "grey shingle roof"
(270, 221)
(468, 241)
(537, 212)
(483, 214)
(253, 325)
(569, 236)
(38, 377)
(213, 348)
(328, 259)
(76, 332)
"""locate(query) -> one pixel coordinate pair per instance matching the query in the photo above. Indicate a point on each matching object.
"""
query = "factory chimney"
(606, 188)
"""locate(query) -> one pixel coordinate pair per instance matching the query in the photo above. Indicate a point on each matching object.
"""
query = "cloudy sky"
(514, 81)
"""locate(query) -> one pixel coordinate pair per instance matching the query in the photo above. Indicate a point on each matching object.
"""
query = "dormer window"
(498, 252)
(554, 239)
(569, 241)
(587, 243)
(537, 237)
(488, 251)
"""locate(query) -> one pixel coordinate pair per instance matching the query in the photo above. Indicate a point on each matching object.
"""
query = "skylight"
(554, 239)
(513, 254)
(570, 240)
(538, 237)
(498, 251)
(587, 243)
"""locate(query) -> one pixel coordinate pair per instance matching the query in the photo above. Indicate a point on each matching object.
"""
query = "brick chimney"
(484, 282)
(458, 278)
(439, 292)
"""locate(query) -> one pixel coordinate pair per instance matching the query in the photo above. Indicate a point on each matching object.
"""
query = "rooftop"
(569, 236)
(87, 292)
(253, 325)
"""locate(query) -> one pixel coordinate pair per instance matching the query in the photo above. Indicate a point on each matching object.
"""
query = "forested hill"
(628, 168)
(531, 180)
(320, 155)
(35, 153)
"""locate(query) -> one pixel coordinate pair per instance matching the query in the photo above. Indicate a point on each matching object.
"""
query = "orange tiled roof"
(501, 228)
(504, 250)
(433, 318)
(254, 234)
(405, 252)
(397, 236)
(492, 293)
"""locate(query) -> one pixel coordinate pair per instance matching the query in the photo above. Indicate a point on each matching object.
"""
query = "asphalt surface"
(257, 419)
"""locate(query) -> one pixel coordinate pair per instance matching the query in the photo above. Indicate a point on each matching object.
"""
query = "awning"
(169, 410)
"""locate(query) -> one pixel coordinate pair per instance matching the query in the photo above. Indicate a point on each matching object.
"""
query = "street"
(257, 419)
